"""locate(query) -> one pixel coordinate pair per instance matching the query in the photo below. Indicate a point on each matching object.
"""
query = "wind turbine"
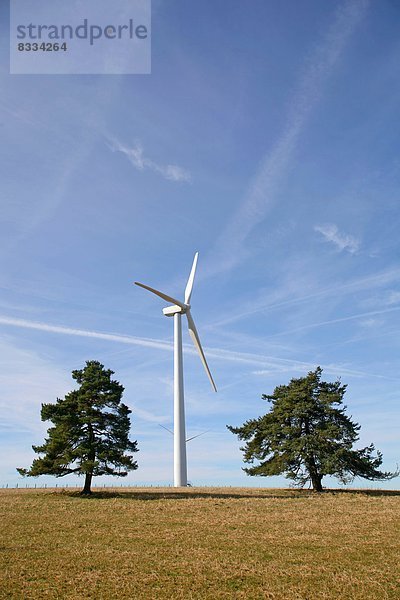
(178, 309)
(193, 437)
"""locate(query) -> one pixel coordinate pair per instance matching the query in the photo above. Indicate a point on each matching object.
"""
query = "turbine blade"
(189, 285)
(196, 341)
(166, 429)
(161, 295)
(188, 439)
(198, 435)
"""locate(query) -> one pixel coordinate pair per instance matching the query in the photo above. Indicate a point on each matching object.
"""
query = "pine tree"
(90, 432)
(307, 435)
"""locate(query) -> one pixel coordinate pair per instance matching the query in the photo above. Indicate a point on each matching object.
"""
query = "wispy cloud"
(140, 162)
(394, 298)
(339, 320)
(342, 241)
(22, 114)
(24, 370)
(359, 285)
(371, 322)
(262, 191)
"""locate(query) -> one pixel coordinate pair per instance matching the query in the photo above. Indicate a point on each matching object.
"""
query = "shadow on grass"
(284, 494)
(361, 492)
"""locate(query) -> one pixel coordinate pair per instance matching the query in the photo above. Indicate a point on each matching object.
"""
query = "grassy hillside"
(199, 543)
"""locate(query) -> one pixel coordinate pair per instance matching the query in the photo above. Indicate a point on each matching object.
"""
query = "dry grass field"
(199, 543)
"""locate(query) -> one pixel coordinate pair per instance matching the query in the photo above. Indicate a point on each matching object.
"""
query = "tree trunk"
(316, 478)
(88, 483)
(316, 481)
(91, 458)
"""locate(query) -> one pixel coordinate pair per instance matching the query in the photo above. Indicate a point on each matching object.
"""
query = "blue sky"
(266, 138)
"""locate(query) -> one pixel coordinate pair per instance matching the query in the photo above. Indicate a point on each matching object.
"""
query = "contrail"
(272, 362)
(123, 339)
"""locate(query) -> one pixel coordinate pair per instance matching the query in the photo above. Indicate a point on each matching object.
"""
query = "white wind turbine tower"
(178, 309)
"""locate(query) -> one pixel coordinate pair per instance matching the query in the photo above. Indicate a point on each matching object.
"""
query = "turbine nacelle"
(170, 311)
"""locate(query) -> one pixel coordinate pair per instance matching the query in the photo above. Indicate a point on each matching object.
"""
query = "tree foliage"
(307, 435)
(90, 433)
